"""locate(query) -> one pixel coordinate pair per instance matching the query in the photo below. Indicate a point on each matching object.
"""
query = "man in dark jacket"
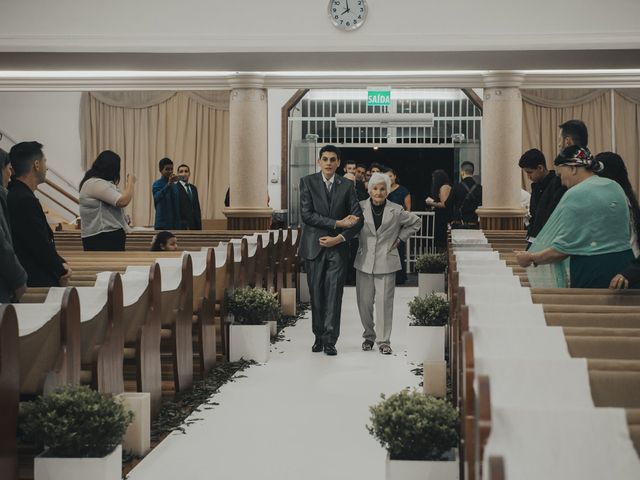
(166, 198)
(464, 199)
(32, 237)
(546, 190)
(13, 278)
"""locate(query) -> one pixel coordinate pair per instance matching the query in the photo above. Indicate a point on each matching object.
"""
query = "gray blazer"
(319, 215)
(375, 252)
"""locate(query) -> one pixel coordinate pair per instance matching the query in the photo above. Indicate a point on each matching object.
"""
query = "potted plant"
(249, 334)
(82, 431)
(426, 333)
(430, 268)
(420, 434)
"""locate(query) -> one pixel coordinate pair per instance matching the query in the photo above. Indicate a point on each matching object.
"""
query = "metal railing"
(423, 241)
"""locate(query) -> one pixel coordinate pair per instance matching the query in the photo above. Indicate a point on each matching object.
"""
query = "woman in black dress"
(399, 194)
(440, 189)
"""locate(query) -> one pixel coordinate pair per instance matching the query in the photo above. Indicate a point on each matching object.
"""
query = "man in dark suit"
(546, 191)
(464, 199)
(32, 236)
(190, 215)
(166, 198)
(331, 217)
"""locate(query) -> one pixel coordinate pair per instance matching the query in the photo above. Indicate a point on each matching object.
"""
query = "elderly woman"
(385, 225)
(588, 230)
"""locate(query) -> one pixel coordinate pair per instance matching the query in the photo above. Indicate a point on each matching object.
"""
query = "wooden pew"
(101, 339)
(9, 391)
(483, 430)
(50, 355)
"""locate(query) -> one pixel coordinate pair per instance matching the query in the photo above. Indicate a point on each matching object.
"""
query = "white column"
(501, 149)
(248, 155)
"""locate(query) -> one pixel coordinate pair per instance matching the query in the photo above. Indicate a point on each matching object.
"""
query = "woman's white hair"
(377, 178)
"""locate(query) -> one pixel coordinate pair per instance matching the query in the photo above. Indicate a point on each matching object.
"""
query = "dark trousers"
(325, 276)
(401, 275)
(105, 242)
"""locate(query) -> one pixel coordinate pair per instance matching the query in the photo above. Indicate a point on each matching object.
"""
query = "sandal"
(386, 349)
(367, 345)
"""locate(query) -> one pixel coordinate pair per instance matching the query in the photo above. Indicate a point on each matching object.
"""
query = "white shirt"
(328, 183)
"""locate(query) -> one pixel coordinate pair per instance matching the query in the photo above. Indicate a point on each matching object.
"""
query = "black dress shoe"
(317, 347)
(330, 350)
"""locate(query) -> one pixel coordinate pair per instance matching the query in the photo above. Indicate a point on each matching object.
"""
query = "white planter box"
(273, 327)
(425, 344)
(430, 282)
(250, 342)
(105, 468)
(137, 438)
(421, 470)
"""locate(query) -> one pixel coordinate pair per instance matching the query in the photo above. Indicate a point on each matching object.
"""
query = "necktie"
(189, 193)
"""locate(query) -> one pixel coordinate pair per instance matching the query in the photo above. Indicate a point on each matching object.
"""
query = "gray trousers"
(376, 289)
(326, 275)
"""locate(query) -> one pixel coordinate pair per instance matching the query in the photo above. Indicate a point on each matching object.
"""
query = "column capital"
(503, 78)
(247, 80)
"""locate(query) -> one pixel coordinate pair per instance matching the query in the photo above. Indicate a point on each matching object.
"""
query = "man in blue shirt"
(166, 198)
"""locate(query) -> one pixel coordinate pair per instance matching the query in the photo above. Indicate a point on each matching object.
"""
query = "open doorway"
(414, 166)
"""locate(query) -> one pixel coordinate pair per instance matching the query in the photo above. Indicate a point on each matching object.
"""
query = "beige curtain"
(627, 121)
(143, 127)
(544, 110)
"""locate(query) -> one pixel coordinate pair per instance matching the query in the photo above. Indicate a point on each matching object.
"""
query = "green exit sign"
(379, 98)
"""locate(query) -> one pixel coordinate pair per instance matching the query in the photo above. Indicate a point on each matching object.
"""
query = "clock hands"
(348, 9)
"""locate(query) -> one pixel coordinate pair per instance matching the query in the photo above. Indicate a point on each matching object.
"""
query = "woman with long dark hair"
(103, 222)
(440, 190)
(615, 169)
(400, 195)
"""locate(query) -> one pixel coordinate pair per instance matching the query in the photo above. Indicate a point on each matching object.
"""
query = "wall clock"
(347, 15)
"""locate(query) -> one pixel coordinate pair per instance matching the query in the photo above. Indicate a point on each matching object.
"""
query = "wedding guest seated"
(587, 235)
(164, 242)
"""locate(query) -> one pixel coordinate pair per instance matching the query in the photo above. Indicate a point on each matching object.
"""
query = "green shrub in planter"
(431, 263)
(414, 426)
(430, 311)
(76, 422)
(253, 306)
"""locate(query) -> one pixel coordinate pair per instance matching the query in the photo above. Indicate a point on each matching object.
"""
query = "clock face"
(347, 14)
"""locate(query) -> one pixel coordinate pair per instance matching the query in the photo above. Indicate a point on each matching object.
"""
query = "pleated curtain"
(143, 127)
(545, 109)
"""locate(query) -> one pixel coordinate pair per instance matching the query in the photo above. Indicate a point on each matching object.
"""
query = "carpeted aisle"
(301, 416)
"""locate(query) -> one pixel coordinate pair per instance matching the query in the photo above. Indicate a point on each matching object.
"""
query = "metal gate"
(422, 242)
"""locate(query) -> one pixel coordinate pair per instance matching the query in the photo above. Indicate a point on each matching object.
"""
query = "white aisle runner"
(301, 416)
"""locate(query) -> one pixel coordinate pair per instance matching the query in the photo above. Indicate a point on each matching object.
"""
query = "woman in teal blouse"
(585, 242)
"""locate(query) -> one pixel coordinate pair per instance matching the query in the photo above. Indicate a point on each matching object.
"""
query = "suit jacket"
(190, 215)
(32, 238)
(319, 215)
(167, 202)
(12, 275)
(376, 254)
(545, 196)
